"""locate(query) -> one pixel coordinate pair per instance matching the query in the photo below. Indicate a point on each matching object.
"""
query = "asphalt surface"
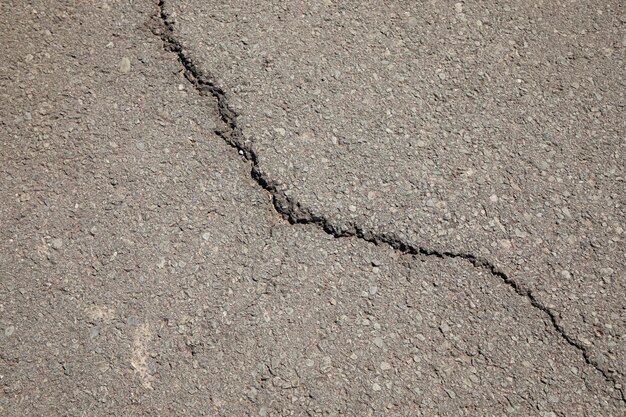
(312, 209)
(495, 130)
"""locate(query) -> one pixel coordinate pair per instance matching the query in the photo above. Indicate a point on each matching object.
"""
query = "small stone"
(566, 274)
(206, 236)
(418, 317)
(378, 341)
(493, 198)
(9, 331)
(520, 234)
(376, 387)
(57, 243)
(280, 131)
(125, 65)
(566, 212)
(450, 393)
(384, 366)
(309, 362)
(445, 329)
(326, 364)
(606, 271)
(352, 208)
(505, 243)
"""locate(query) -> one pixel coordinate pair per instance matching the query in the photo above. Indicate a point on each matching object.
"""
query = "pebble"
(125, 65)
(384, 366)
(57, 243)
(566, 274)
(206, 236)
(378, 341)
(376, 387)
(606, 271)
(9, 331)
(505, 243)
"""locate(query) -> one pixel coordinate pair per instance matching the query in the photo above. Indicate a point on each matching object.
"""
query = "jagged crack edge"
(294, 213)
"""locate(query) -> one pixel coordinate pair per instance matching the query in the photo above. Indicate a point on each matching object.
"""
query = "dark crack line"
(294, 213)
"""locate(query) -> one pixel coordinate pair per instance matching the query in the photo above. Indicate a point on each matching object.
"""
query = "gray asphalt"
(495, 130)
(311, 209)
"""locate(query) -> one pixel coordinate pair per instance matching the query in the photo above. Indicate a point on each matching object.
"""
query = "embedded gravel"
(492, 129)
(143, 271)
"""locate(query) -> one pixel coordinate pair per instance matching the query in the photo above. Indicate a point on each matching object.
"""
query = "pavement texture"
(312, 208)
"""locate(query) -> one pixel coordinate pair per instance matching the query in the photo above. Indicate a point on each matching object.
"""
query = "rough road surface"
(308, 208)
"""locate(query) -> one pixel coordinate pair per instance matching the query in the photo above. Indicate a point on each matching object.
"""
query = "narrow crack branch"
(294, 213)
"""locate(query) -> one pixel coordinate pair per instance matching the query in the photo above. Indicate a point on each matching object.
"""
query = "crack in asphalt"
(294, 213)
